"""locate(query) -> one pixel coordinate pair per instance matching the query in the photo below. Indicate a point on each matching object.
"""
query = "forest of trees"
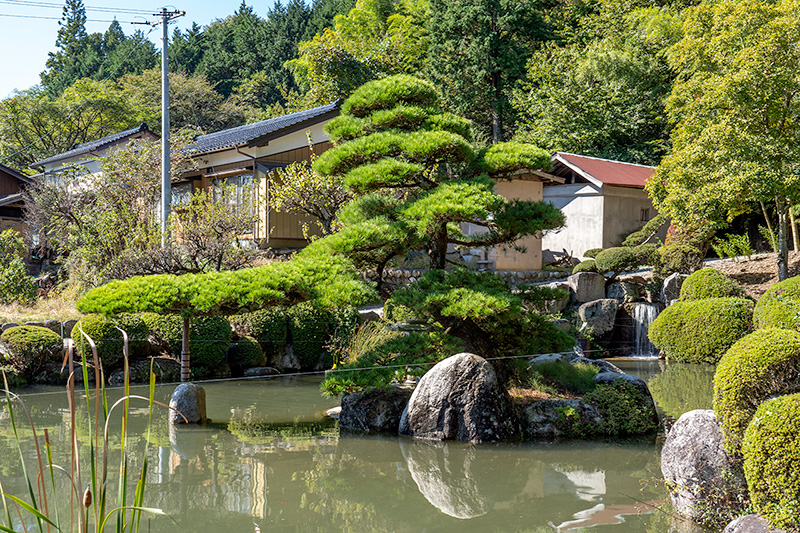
(620, 79)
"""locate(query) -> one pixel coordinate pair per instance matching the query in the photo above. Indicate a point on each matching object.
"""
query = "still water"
(271, 459)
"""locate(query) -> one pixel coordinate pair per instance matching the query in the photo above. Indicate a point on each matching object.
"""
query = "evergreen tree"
(77, 56)
(186, 49)
(478, 50)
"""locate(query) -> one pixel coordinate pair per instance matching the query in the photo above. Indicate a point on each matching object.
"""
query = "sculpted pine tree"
(418, 178)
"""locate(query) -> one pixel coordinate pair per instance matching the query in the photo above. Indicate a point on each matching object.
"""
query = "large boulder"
(374, 410)
(587, 286)
(556, 305)
(622, 292)
(703, 480)
(599, 315)
(561, 418)
(671, 290)
(189, 400)
(751, 523)
(460, 399)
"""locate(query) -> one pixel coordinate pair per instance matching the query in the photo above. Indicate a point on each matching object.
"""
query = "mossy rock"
(779, 307)
(209, 340)
(247, 354)
(585, 266)
(700, 331)
(628, 410)
(109, 340)
(29, 347)
(268, 326)
(709, 283)
(771, 450)
(759, 366)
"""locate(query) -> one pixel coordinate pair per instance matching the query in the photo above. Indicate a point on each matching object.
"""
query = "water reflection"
(282, 467)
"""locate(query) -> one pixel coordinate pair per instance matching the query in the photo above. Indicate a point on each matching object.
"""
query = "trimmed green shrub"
(709, 283)
(628, 410)
(388, 92)
(585, 266)
(209, 340)
(510, 156)
(247, 354)
(312, 328)
(108, 339)
(592, 252)
(29, 347)
(648, 230)
(670, 258)
(391, 359)
(759, 366)
(700, 331)
(771, 450)
(269, 327)
(779, 307)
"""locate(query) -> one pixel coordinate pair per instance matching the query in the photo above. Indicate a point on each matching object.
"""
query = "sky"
(25, 41)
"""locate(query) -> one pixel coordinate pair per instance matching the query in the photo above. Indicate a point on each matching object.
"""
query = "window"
(181, 193)
(236, 190)
(645, 215)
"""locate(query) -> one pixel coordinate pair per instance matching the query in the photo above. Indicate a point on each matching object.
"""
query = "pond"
(271, 459)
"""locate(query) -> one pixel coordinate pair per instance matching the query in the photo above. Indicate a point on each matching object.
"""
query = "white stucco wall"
(583, 206)
(622, 213)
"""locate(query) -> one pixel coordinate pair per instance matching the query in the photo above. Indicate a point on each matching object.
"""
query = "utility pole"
(166, 184)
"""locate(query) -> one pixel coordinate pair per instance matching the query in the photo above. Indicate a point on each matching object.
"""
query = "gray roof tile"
(249, 132)
(91, 146)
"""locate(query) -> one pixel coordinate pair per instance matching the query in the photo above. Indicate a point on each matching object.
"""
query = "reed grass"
(95, 509)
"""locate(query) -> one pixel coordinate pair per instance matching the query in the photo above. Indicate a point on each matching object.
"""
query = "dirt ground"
(757, 273)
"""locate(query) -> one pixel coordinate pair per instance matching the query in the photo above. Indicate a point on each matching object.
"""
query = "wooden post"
(185, 369)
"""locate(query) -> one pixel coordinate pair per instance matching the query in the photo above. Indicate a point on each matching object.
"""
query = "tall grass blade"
(137, 508)
(93, 444)
(49, 456)
(31, 509)
(123, 466)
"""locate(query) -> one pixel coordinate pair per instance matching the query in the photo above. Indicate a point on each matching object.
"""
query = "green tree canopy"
(419, 178)
(736, 109)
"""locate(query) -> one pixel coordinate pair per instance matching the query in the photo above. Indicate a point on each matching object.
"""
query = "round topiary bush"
(616, 259)
(268, 326)
(108, 339)
(313, 328)
(700, 331)
(209, 340)
(779, 307)
(709, 283)
(759, 366)
(247, 354)
(585, 266)
(29, 347)
(771, 450)
(671, 258)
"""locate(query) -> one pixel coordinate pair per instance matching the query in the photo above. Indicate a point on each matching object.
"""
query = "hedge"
(700, 331)
(247, 354)
(29, 347)
(268, 326)
(759, 366)
(779, 307)
(312, 328)
(108, 339)
(771, 450)
(709, 283)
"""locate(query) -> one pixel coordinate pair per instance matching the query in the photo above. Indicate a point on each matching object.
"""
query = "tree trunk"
(769, 227)
(185, 369)
(783, 238)
(795, 236)
(438, 251)
(497, 121)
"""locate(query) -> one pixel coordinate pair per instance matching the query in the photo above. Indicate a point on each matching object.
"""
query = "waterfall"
(643, 314)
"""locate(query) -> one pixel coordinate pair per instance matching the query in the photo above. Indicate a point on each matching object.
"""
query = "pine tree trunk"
(783, 238)
(185, 368)
(497, 121)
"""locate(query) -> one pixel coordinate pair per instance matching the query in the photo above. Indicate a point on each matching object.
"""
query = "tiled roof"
(10, 199)
(606, 171)
(14, 174)
(91, 146)
(251, 132)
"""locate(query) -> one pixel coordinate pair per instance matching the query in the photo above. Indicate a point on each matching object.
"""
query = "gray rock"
(7, 325)
(258, 371)
(587, 286)
(189, 399)
(460, 398)
(287, 360)
(38, 324)
(695, 465)
(671, 290)
(622, 292)
(562, 324)
(606, 378)
(598, 315)
(68, 325)
(751, 523)
(374, 410)
(557, 305)
(547, 358)
(54, 326)
(604, 366)
(555, 417)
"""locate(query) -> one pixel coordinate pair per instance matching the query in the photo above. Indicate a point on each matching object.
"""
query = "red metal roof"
(610, 172)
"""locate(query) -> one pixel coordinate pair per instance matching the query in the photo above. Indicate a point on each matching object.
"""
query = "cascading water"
(643, 314)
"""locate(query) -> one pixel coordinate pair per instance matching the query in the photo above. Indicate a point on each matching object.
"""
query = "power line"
(50, 5)
(58, 18)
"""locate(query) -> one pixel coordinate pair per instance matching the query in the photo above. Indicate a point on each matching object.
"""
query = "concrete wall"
(583, 206)
(625, 210)
(507, 258)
